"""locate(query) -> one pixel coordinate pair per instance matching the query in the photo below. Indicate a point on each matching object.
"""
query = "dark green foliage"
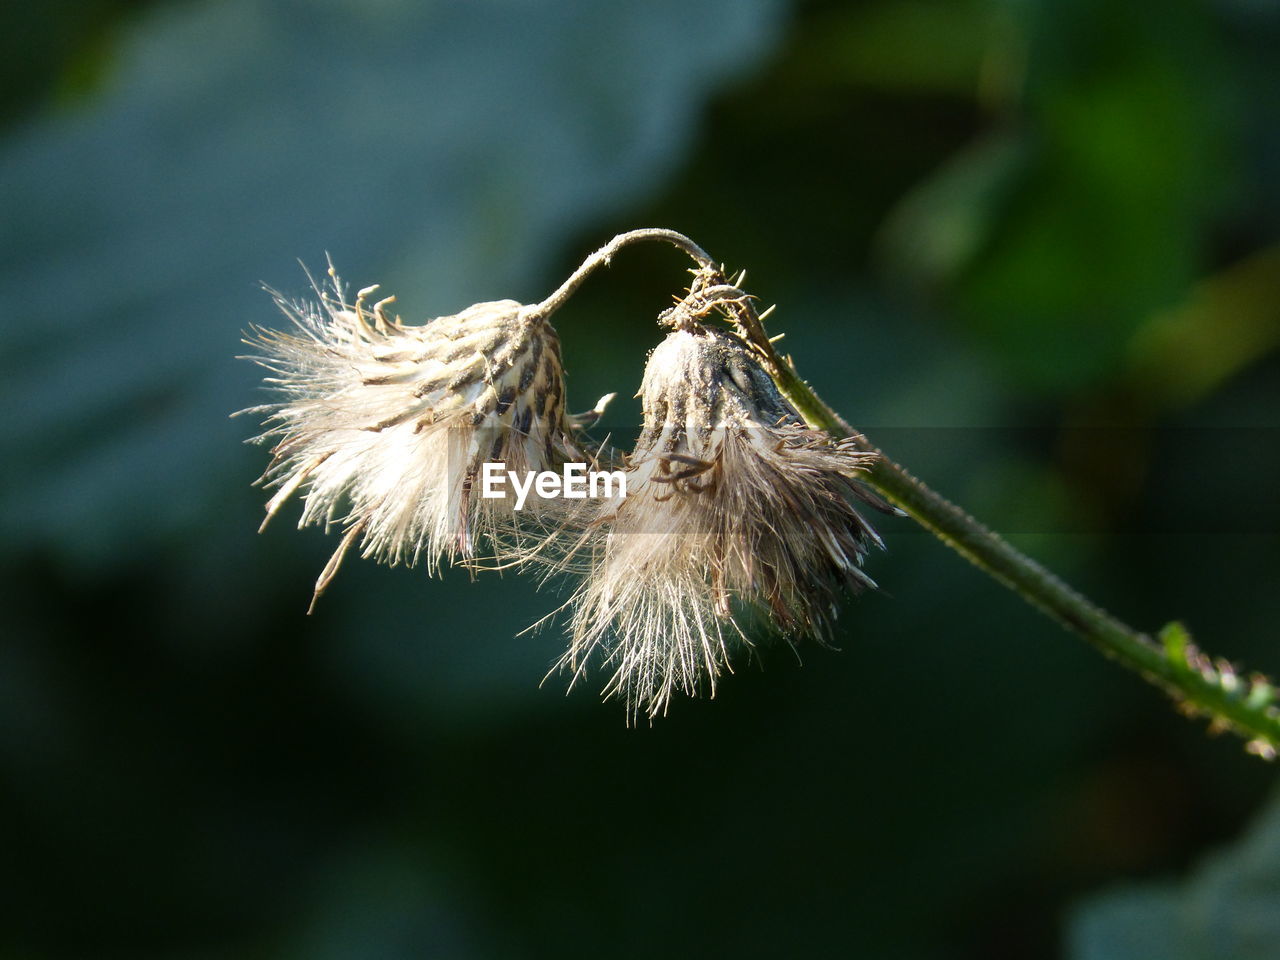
(1031, 245)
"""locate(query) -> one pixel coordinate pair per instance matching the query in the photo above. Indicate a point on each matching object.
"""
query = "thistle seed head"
(382, 427)
(736, 512)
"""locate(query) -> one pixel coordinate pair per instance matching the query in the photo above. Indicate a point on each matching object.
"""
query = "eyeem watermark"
(573, 482)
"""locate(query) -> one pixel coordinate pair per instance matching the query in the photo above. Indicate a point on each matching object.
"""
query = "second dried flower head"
(739, 518)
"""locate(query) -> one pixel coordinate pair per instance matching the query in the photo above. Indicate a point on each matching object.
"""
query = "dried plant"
(743, 487)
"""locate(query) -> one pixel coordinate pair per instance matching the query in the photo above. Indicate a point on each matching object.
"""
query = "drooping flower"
(738, 515)
(382, 426)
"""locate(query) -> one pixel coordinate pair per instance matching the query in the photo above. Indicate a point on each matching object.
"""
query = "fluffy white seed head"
(382, 427)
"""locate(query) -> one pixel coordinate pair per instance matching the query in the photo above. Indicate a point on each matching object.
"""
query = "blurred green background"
(1032, 248)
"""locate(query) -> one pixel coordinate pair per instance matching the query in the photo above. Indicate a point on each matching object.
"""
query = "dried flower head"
(383, 427)
(736, 512)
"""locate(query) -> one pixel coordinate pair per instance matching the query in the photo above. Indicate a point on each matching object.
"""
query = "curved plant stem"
(1213, 689)
(602, 257)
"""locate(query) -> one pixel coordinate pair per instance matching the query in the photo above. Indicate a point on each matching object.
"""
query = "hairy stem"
(1201, 686)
